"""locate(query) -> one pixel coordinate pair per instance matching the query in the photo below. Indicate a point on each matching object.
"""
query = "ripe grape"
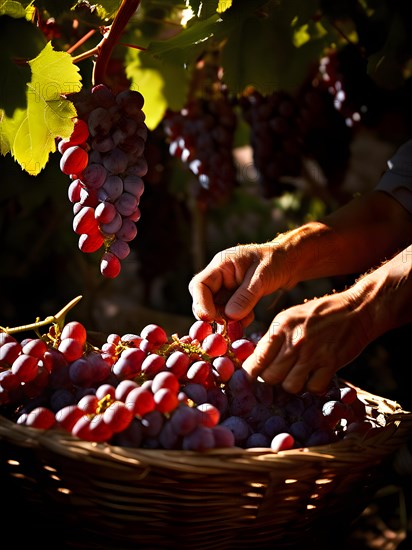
(215, 344)
(117, 416)
(282, 442)
(25, 367)
(199, 330)
(140, 401)
(166, 400)
(40, 417)
(9, 351)
(75, 330)
(210, 414)
(154, 334)
(74, 160)
(110, 265)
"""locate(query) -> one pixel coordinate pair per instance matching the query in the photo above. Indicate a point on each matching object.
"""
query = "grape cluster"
(149, 390)
(275, 139)
(202, 134)
(104, 158)
(343, 74)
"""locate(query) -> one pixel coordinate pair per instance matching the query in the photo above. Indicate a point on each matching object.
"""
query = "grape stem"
(81, 41)
(52, 319)
(111, 38)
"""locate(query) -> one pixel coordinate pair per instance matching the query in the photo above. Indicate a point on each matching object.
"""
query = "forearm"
(384, 295)
(353, 239)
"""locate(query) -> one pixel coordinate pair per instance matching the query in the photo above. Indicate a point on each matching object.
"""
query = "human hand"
(236, 279)
(308, 343)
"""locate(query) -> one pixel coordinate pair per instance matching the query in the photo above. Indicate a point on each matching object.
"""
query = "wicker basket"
(101, 496)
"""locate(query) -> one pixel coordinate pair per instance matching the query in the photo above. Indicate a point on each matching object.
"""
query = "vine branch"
(58, 318)
(111, 38)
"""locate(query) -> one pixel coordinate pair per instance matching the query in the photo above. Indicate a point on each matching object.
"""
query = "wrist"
(307, 252)
(384, 296)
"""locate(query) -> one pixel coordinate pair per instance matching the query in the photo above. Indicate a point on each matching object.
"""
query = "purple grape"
(126, 204)
(132, 436)
(243, 405)
(223, 437)
(99, 122)
(113, 186)
(94, 176)
(120, 248)
(116, 161)
(128, 230)
(200, 439)
(217, 397)
(274, 425)
(196, 392)
(152, 423)
(239, 427)
(134, 185)
(139, 168)
(240, 383)
(184, 419)
(257, 440)
(168, 438)
(300, 430)
(81, 372)
(113, 227)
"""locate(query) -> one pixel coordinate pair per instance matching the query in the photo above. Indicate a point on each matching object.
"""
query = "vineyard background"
(41, 267)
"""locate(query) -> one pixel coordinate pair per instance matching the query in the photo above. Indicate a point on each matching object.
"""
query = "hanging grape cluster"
(343, 74)
(202, 133)
(104, 158)
(149, 390)
(275, 139)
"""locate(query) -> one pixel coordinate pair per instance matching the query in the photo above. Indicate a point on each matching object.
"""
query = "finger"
(202, 291)
(246, 321)
(320, 380)
(264, 354)
(296, 379)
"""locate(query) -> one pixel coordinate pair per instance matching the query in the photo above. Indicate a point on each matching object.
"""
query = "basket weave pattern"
(115, 497)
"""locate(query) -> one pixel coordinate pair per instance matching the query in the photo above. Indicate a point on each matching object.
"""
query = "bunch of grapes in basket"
(151, 391)
(104, 158)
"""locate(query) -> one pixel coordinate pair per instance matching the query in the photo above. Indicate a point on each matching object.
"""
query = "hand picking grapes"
(305, 345)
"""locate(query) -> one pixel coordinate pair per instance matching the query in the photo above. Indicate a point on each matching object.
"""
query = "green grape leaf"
(15, 9)
(206, 8)
(12, 8)
(224, 5)
(386, 66)
(163, 85)
(30, 134)
(186, 46)
(105, 9)
(287, 43)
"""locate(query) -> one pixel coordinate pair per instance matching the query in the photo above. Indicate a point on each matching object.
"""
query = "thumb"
(241, 303)
(245, 298)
